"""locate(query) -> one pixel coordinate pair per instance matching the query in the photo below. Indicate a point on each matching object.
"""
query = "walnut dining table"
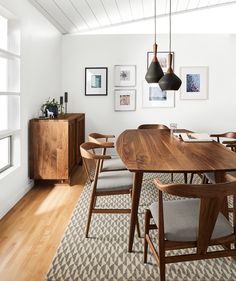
(158, 151)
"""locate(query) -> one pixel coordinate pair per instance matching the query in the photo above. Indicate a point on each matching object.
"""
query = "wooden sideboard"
(54, 146)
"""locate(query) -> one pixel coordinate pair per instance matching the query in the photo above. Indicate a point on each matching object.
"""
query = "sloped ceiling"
(77, 16)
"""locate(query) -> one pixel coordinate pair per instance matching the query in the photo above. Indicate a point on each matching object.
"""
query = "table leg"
(138, 177)
(220, 177)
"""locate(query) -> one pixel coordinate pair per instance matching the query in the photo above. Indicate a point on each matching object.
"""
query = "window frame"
(12, 55)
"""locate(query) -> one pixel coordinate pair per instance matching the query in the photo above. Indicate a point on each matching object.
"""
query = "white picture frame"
(153, 96)
(194, 82)
(162, 58)
(125, 75)
(125, 100)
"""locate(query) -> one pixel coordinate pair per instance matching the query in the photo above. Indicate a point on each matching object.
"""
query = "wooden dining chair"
(161, 127)
(231, 144)
(196, 222)
(153, 126)
(112, 164)
(104, 183)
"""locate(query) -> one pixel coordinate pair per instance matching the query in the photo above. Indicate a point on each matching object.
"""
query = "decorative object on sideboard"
(66, 101)
(153, 96)
(125, 100)
(96, 81)
(195, 83)
(154, 72)
(125, 75)
(61, 105)
(170, 81)
(50, 108)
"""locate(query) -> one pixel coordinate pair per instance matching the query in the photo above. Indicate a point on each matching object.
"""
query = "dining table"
(159, 151)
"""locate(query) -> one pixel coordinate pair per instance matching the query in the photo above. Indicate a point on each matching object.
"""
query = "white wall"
(215, 51)
(40, 78)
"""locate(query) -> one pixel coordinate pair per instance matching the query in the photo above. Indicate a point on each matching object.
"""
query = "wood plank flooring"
(31, 232)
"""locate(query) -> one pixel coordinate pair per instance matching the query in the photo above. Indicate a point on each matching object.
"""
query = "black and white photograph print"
(125, 75)
(125, 100)
(96, 81)
(153, 96)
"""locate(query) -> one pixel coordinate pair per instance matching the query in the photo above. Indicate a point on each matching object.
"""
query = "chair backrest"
(153, 126)
(99, 138)
(212, 199)
(88, 152)
(232, 146)
(224, 135)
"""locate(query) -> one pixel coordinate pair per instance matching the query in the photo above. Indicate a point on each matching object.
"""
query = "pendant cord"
(170, 28)
(155, 21)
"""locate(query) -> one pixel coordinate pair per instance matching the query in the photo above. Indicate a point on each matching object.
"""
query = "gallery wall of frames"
(129, 100)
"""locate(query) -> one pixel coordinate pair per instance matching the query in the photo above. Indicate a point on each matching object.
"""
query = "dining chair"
(153, 126)
(104, 183)
(231, 144)
(112, 164)
(161, 127)
(195, 222)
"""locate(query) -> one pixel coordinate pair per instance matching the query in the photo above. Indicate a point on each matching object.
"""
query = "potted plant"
(51, 105)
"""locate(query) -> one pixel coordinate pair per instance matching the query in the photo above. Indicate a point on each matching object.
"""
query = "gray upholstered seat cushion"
(211, 176)
(114, 181)
(181, 220)
(113, 164)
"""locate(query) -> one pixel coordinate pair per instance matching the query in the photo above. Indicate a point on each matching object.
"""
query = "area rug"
(104, 256)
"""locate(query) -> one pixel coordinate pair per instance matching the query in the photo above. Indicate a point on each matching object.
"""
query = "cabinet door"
(72, 144)
(49, 149)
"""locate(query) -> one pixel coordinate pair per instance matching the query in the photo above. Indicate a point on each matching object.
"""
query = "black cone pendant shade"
(170, 81)
(154, 72)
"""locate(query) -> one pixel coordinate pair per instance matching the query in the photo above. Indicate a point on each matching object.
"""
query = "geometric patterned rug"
(104, 256)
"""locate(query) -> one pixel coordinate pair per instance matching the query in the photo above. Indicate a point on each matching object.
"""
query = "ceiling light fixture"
(154, 72)
(170, 81)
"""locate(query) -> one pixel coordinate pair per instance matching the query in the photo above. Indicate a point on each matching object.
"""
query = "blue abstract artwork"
(193, 83)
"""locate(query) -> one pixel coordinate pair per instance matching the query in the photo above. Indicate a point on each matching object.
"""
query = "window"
(5, 152)
(9, 90)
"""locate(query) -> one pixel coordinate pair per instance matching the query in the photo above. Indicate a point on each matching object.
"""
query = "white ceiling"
(79, 16)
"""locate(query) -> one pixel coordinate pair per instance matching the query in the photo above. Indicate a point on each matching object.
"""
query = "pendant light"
(170, 81)
(154, 72)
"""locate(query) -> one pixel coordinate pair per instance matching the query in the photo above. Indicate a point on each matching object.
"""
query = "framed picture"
(162, 58)
(95, 81)
(194, 82)
(125, 100)
(153, 96)
(125, 76)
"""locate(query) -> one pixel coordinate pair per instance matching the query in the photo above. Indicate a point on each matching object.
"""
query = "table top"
(155, 150)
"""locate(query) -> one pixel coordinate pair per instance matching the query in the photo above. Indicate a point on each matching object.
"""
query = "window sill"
(8, 171)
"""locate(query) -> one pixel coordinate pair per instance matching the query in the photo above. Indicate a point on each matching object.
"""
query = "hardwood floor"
(31, 232)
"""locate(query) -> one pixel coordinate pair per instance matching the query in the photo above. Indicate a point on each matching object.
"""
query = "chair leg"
(172, 177)
(146, 232)
(185, 177)
(204, 180)
(162, 268)
(191, 178)
(91, 207)
(138, 228)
